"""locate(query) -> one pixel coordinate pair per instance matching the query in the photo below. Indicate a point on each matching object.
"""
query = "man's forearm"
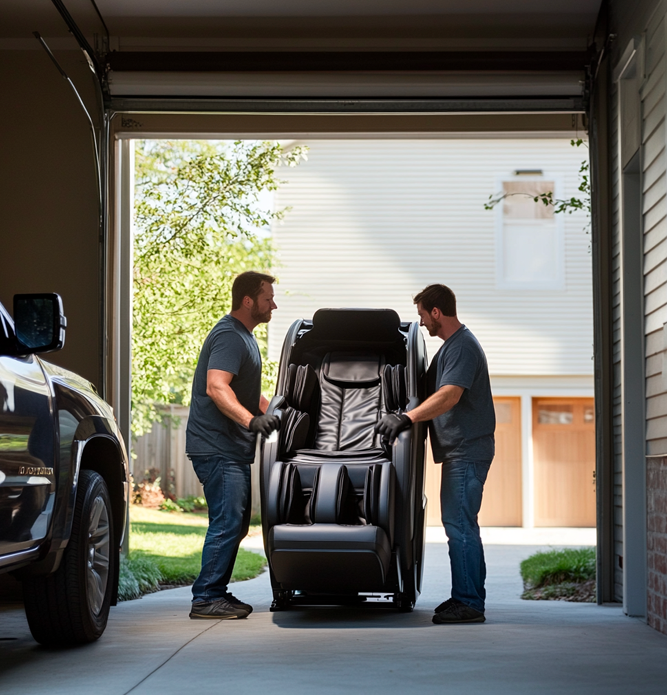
(227, 403)
(440, 402)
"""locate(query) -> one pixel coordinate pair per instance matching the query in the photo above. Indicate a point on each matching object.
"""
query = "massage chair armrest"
(270, 449)
(278, 402)
(401, 457)
(402, 446)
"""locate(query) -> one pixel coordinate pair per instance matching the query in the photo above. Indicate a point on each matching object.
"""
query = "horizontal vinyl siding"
(373, 222)
(654, 186)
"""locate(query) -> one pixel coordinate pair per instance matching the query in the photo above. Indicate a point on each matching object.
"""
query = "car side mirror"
(39, 323)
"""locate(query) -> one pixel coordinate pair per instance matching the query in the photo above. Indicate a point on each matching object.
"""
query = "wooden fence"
(163, 449)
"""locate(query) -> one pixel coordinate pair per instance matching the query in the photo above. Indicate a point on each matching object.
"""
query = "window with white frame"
(529, 245)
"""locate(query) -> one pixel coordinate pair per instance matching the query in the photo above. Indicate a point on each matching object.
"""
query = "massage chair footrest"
(329, 557)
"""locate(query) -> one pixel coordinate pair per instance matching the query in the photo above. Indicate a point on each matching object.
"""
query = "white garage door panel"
(330, 84)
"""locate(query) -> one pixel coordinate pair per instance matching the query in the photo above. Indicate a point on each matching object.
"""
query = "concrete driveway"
(525, 647)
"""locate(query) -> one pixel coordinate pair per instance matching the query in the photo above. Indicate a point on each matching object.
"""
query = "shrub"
(138, 576)
(192, 503)
(149, 494)
(170, 506)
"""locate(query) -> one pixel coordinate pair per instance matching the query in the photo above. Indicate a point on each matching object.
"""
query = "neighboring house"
(374, 221)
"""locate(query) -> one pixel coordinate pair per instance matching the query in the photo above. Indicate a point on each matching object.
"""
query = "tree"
(560, 205)
(198, 223)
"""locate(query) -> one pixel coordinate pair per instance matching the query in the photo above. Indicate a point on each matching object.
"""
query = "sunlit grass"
(174, 541)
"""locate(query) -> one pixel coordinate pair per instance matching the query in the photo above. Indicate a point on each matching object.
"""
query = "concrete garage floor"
(525, 647)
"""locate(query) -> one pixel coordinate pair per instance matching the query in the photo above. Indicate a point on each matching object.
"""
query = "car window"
(7, 342)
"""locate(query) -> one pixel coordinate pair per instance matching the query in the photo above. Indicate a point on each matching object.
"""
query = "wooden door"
(501, 503)
(564, 461)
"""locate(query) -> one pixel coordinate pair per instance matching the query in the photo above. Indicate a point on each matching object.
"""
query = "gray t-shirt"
(231, 347)
(466, 431)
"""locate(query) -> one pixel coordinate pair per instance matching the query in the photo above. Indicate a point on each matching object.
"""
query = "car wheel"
(71, 606)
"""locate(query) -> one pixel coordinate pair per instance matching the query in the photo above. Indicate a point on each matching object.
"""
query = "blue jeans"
(227, 492)
(460, 500)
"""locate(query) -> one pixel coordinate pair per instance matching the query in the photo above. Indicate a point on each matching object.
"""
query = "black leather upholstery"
(333, 497)
(351, 369)
(302, 388)
(330, 557)
(394, 388)
(294, 428)
(334, 493)
(351, 401)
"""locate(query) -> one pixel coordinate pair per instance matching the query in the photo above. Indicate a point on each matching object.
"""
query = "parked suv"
(64, 480)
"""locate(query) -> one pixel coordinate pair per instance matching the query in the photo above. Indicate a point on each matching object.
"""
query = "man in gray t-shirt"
(462, 424)
(227, 412)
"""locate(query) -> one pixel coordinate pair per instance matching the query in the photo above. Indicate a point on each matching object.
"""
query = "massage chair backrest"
(351, 401)
(339, 411)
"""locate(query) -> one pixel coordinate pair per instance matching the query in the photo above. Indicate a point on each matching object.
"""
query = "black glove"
(392, 425)
(264, 424)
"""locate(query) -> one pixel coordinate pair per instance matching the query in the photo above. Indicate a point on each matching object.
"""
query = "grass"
(168, 545)
(567, 574)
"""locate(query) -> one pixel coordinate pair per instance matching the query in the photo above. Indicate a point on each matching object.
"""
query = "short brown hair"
(437, 296)
(248, 284)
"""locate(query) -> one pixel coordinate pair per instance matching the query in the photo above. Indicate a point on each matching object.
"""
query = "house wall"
(372, 222)
(643, 23)
(656, 484)
(48, 196)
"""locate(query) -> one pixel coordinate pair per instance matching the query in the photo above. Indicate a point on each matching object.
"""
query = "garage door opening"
(371, 220)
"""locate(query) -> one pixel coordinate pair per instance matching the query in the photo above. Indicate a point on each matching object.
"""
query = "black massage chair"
(343, 512)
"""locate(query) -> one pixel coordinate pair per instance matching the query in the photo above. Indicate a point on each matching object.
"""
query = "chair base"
(329, 557)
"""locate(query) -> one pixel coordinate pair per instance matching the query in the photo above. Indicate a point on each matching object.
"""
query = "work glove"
(264, 424)
(392, 425)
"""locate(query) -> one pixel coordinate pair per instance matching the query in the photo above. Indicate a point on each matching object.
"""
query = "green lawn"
(173, 542)
(567, 574)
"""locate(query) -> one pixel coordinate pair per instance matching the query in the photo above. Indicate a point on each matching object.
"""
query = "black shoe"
(457, 612)
(238, 604)
(220, 609)
(444, 605)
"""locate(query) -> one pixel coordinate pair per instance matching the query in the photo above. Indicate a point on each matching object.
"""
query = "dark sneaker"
(457, 612)
(238, 604)
(444, 605)
(220, 609)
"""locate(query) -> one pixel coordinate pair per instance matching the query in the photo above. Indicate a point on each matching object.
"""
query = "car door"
(27, 445)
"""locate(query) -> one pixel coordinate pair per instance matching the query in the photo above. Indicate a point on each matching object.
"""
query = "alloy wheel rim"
(97, 561)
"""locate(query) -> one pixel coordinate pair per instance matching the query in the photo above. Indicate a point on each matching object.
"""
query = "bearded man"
(462, 424)
(227, 412)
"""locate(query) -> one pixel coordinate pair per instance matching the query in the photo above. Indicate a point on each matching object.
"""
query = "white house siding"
(654, 213)
(374, 221)
(654, 190)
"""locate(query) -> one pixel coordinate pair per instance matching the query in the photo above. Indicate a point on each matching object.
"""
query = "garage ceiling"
(310, 24)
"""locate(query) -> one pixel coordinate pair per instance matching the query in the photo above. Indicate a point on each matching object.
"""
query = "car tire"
(71, 606)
